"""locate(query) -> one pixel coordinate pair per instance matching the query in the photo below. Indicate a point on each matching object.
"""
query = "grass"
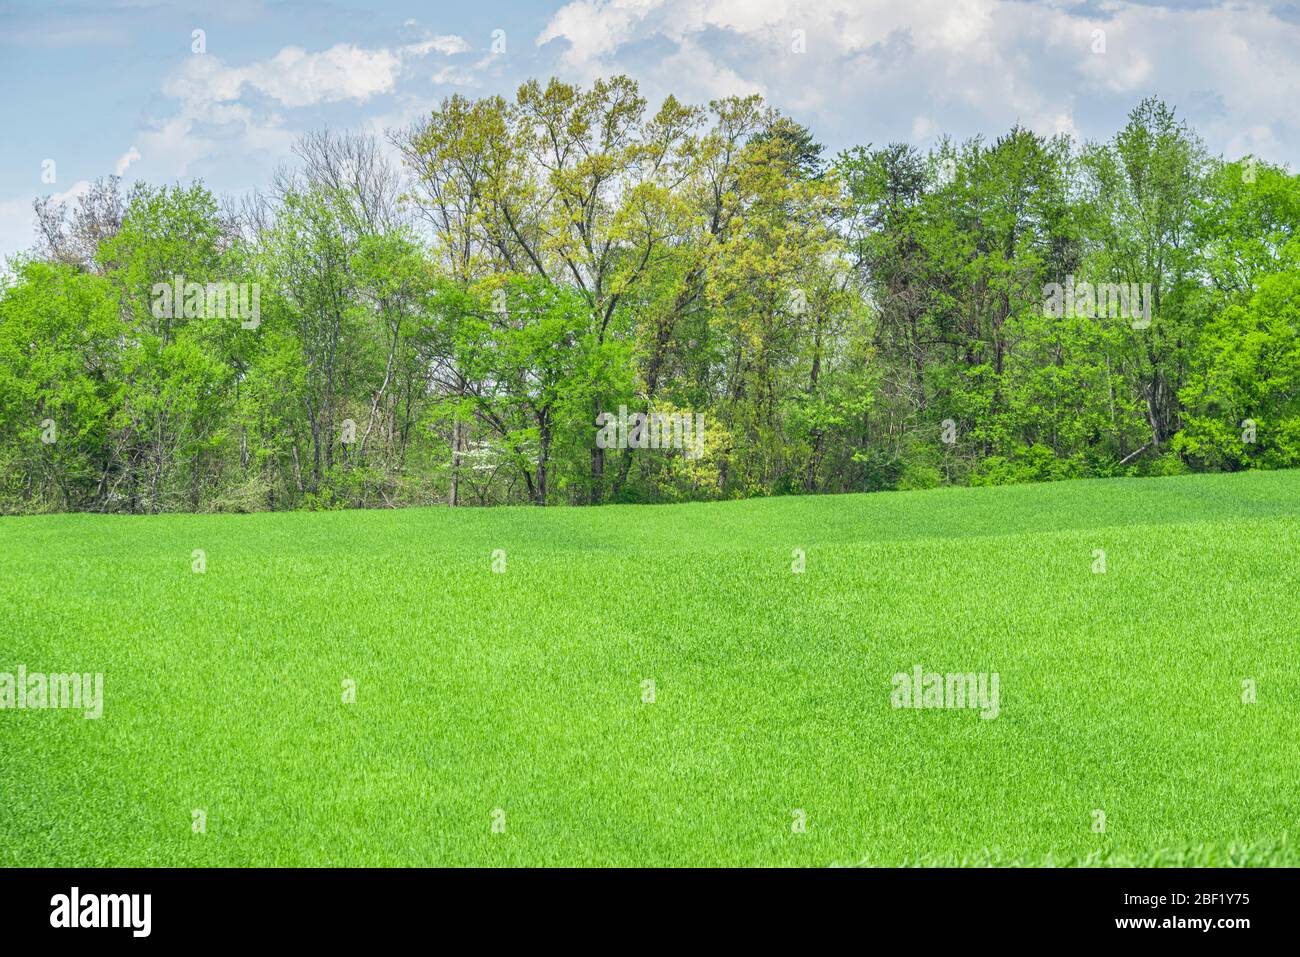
(522, 691)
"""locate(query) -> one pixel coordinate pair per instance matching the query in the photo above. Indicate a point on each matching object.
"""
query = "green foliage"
(1036, 463)
(919, 475)
(1243, 396)
(61, 389)
(453, 331)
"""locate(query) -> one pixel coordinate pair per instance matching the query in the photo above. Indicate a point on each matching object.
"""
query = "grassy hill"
(515, 697)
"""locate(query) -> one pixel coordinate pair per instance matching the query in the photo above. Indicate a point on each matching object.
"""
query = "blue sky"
(113, 87)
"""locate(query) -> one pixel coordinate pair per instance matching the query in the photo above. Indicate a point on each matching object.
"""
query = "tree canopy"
(449, 316)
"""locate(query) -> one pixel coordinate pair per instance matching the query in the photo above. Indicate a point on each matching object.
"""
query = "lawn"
(500, 716)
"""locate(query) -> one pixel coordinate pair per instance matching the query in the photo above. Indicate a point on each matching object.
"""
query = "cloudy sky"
(118, 87)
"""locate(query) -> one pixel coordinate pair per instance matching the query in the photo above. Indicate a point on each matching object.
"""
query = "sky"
(219, 90)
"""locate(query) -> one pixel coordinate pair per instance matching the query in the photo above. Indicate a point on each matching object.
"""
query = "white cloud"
(125, 160)
(454, 76)
(296, 78)
(216, 119)
(293, 77)
(446, 45)
(880, 68)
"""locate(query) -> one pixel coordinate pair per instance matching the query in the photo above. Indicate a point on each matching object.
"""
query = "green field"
(522, 691)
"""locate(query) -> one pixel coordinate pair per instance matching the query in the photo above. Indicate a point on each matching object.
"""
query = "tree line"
(455, 313)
